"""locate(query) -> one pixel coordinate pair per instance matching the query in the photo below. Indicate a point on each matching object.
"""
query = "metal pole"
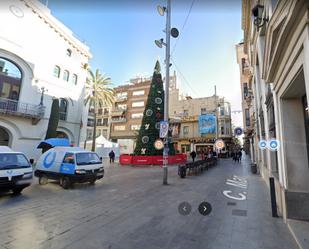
(167, 77)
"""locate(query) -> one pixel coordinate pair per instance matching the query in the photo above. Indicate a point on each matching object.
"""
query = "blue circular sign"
(262, 144)
(49, 159)
(238, 131)
(273, 144)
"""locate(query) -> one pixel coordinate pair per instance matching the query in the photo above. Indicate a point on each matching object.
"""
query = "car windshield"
(87, 158)
(13, 161)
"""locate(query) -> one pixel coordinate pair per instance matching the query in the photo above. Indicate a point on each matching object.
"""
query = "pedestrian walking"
(193, 155)
(240, 155)
(111, 156)
(203, 155)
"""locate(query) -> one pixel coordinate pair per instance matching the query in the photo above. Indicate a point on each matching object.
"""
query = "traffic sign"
(163, 129)
(273, 144)
(262, 144)
(238, 131)
(219, 144)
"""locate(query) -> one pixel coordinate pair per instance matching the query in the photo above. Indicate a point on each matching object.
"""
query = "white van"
(15, 170)
(69, 165)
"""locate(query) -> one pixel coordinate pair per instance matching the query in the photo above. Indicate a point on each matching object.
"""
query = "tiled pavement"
(130, 208)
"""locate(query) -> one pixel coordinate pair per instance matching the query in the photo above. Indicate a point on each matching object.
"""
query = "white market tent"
(104, 146)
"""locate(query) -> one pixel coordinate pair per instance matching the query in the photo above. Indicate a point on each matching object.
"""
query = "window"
(104, 133)
(69, 158)
(100, 111)
(247, 116)
(137, 115)
(222, 111)
(57, 71)
(63, 108)
(106, 111)
(119, 128)
(121, 95)
(138, 104)
(245, 90)
(99, 132)
(99, 121)
(105, 122)
(203, 111)
(89, 134)
(135, 127)
(13, 161)
(74, 79)
(69, 52)
(222, 130)
(87, 158)
(138, 93)
(66, 75)
(186, 130)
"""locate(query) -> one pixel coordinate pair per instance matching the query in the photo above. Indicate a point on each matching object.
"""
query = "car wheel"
(17, 191)
(66, 182)
(43, 180)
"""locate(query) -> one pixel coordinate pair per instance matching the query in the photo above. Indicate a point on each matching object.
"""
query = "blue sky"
(121, 37)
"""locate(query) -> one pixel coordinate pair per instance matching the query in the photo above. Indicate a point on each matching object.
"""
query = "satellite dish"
(161, 10)
(158, 43)
(174, 32)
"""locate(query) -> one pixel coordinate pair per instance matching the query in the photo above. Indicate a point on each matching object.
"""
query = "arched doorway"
(5, 137)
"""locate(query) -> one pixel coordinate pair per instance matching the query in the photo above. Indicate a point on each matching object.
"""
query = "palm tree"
(98, 93)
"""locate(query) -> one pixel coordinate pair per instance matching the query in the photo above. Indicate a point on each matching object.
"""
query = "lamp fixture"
(161, 10)
(259, 20)
(160, 43)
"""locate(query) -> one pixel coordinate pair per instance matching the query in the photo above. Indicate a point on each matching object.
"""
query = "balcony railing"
(119, 120)
(17, 108)
(121, 98)
(117, 111)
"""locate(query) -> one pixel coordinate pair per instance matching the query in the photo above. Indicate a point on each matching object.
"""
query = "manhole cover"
(239, 212)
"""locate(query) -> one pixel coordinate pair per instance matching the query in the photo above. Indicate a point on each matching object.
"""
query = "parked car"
(15, 170)
(69, 165)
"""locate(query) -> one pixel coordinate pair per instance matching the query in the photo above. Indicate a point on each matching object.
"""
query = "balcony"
(121, 98)
(246, 69)
(119, 120)
(17, 108)
(117, 111)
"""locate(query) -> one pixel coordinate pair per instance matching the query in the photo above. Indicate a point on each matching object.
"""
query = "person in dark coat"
(111, 156)
(193, 155)
(240, 155)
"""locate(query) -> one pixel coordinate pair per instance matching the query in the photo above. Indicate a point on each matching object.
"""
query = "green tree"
(53, 120)
(98, 93)
(153, 114)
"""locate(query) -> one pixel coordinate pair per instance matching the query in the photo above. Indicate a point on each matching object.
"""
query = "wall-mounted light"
(259, 20)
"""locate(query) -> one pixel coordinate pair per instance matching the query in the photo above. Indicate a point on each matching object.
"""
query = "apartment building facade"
(247, 96)
(185, 112)
(127, 112)
(278, 52)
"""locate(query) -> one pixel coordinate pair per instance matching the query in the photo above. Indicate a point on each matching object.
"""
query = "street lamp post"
(167, 77)
(169, 32)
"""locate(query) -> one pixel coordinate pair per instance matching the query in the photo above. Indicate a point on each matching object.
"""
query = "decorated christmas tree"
(153, 114)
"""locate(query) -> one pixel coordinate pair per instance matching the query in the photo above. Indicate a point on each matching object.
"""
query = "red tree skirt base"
(126, 159)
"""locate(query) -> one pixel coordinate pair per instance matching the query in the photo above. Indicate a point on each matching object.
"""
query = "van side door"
(68, 164)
